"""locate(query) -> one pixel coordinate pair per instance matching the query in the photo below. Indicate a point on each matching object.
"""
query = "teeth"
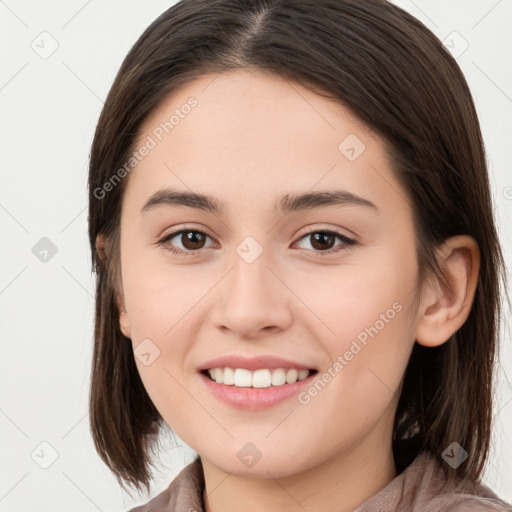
(291, 376)
(278, 377)
(302, 374)
(261, 379)
(229, 376)
(219, 375)
(264, 378)
(243, 378)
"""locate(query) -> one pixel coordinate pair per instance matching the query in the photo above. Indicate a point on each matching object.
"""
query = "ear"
(100, 246)
(443, 310)
(124, 322)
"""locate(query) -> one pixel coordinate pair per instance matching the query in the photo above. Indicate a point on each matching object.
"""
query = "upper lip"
(252, 363)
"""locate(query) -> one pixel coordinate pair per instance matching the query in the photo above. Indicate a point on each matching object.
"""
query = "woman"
(298, 267)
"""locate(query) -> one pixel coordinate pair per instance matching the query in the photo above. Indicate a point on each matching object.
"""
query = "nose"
(253, 300)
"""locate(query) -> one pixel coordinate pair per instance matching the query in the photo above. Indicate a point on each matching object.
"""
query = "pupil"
(325, 236)
(192, 238)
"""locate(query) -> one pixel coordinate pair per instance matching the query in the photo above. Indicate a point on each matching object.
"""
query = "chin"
(249, 462)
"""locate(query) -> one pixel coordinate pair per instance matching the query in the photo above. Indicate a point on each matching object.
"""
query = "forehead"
(247, 134)
(270, 108)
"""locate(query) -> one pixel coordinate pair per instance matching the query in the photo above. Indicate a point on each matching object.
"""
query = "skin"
(251, 139)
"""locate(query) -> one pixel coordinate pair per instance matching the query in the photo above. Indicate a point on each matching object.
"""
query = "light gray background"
(49, 108)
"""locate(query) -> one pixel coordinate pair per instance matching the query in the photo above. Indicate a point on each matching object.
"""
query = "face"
(266, 280)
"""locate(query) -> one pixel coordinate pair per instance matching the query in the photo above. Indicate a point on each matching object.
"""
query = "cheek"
(360, 385)
(360, 302)
(162, 302)
(366, 328)
(161, 297)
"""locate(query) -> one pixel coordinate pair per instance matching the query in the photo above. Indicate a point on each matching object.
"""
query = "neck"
(340, 484)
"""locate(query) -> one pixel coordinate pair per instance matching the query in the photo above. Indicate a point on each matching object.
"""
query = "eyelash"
(348, 243)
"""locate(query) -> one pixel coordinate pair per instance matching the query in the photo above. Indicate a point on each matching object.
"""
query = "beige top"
(421, 487)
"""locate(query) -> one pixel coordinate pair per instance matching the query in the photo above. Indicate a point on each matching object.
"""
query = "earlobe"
(124, 321)
(444, 307)
(124, 324)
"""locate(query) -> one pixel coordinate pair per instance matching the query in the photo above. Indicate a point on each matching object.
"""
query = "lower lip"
(255, 398)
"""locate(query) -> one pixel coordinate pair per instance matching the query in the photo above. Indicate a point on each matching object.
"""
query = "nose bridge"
(251, 284)
(252, 297)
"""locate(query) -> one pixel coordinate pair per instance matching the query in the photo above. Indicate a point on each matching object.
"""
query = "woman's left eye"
(192, 241)
(322, 238)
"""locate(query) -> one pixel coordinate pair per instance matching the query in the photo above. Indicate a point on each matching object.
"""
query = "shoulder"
(431, 491)
(185, 492)
(456, 502)
(423, 487)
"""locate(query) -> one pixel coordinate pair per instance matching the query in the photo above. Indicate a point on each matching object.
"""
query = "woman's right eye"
(191, 240)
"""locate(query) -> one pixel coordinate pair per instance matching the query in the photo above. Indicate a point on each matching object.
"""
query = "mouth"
(254, 382)
(261, 378)
(255, 390)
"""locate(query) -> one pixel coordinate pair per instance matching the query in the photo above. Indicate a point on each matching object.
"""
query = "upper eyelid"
(307, 232)
(336, 231)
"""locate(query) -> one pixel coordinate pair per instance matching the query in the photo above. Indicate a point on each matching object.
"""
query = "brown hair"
(397, 77)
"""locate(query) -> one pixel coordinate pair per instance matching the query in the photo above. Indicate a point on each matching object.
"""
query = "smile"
(255, 390)
(261, 378)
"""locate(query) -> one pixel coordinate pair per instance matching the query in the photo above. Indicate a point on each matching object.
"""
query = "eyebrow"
(286, 204)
